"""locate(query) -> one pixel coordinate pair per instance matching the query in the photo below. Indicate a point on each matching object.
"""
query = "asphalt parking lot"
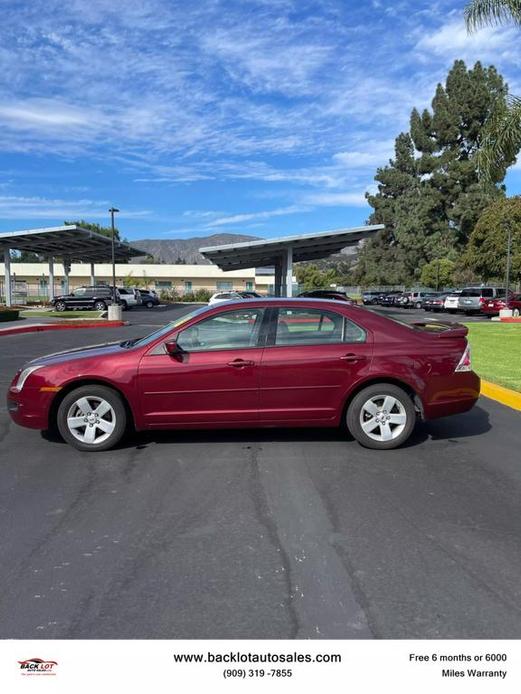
(258, 534)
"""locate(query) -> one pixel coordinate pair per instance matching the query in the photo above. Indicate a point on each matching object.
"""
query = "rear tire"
(60, 306)
(515, 313)
(124, 305)
(149, 304)
(92, 418)
(381, 416)
(100, 306)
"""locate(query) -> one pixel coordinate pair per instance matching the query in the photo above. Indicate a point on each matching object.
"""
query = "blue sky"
(262, 117)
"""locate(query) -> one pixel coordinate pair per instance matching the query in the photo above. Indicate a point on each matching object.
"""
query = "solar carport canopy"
(283, 252)
(248, 254)
(72, 242)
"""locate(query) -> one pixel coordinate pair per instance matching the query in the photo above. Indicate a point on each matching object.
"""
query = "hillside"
(187, 250)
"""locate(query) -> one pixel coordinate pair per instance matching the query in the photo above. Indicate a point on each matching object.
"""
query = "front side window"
(229, 330)
(313, 326)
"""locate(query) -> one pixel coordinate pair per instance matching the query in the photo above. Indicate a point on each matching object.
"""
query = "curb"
(505, 396)
(60, 326)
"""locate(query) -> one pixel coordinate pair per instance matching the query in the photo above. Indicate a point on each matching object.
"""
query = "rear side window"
(471, 292)
(313, 326)
(488, 292)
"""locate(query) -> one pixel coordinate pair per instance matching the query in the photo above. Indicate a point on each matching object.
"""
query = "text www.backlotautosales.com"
(257, 665)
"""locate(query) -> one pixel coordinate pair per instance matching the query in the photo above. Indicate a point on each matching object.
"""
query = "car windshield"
(143, 341)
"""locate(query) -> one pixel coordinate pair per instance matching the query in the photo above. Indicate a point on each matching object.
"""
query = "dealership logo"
(37, 666)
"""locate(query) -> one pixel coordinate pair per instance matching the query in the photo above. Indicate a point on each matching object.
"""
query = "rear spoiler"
(442, 328)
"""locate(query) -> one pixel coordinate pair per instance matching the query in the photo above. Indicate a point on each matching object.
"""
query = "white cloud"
(451, 40)
(18, 207)
(249, 216)
(353, 199)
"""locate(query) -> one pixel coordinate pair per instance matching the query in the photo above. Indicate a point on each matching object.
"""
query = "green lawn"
(61, 314)
(496, 352)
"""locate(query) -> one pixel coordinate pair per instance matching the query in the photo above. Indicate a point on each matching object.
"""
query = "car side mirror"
(173, 349)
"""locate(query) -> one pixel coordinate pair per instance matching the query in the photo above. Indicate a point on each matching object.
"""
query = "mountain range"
(184, 250)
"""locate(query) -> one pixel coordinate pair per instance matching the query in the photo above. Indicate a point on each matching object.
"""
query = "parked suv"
(452, 300)
(128, 297)
(97, 298)
(472, 299)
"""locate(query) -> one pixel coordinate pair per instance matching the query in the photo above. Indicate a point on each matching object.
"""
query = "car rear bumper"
(460, 395)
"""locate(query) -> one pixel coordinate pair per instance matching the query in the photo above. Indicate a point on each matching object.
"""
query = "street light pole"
(112, 211)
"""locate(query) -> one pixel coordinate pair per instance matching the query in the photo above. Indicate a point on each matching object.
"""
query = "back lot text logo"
(37, 666)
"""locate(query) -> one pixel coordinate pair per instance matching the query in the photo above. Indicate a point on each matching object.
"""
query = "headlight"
(24, 375)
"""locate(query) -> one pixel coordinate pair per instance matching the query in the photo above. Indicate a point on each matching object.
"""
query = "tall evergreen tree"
(429, 196)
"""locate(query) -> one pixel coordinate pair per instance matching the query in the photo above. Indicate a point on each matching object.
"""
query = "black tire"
(60, 306)
(149, 304)
(418, 304)
(93, 393)
(124, 305)
(355, 410)
(100, 306)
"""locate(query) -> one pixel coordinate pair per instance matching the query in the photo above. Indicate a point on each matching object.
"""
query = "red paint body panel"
(298, 385)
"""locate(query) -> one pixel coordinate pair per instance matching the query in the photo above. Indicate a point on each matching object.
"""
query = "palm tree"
(501, 137)
(479, 13)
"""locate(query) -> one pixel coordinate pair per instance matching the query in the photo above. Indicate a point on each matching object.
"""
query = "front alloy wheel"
(92, 418)
(60, 306)
(381, 416)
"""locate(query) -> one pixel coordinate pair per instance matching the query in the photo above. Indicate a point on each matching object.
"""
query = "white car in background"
(224, 296)
(451, 301)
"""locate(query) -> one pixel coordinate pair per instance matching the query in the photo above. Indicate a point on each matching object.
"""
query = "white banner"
(167, 667)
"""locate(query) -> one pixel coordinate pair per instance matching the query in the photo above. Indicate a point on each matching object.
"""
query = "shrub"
(7, 314)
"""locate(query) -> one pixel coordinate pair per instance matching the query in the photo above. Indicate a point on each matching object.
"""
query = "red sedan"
(264, 362)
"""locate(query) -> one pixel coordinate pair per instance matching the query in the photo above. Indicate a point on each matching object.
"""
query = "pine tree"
(429, 196)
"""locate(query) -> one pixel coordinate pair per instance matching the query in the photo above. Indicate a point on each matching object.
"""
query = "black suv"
(97, 298)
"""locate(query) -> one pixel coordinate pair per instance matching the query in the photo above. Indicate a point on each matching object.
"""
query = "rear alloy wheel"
(60, 306)
(92, 418)
(100, 306)
(515, 313)
(381, 416)
(124, 305)
(418, 304)
(149, 304)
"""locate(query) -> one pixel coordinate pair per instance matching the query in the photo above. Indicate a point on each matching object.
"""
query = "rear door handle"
(353, 357)
(239, 363)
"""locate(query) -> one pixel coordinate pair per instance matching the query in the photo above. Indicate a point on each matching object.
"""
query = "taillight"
(482, 300)
(464, 363)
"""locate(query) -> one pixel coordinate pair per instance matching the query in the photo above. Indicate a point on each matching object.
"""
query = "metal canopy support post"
(278, 277)
(66, 270)
(288, 266)
(7, 278)
(92, 275)
(50, 288)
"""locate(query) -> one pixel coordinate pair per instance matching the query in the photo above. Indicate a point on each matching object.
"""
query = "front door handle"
(353, 357)
(240, 363)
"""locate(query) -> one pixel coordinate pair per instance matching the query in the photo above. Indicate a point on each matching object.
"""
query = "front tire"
(381, 416)
(60, 306)
(92, 418)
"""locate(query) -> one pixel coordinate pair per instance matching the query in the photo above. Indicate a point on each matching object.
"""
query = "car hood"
(78, 353)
